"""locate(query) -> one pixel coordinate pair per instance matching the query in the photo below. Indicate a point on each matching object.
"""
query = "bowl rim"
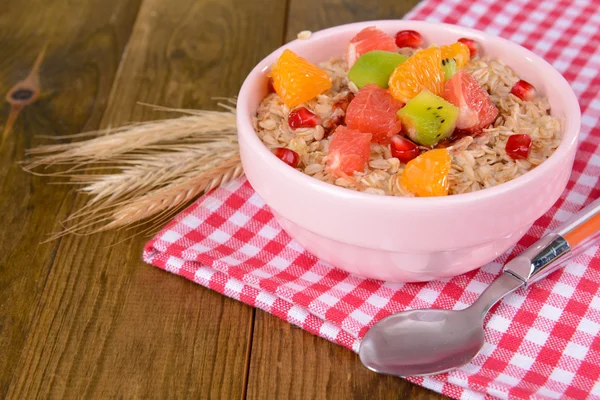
(570, 129)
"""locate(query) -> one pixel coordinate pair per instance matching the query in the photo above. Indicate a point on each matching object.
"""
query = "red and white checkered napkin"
(540, 343)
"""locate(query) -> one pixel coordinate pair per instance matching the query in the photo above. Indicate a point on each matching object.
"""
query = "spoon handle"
(549, 253)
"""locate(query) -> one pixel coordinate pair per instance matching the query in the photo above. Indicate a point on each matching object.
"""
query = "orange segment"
(427, 175)
(459, 51)
(423, 70)
(297, 80)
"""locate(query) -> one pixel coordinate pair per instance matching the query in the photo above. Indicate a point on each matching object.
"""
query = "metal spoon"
(430, 341)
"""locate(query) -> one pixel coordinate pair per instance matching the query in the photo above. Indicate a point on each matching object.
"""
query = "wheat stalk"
(150, 172)
(157, 205)
(143, 172)
(176, 195)
(202, 127)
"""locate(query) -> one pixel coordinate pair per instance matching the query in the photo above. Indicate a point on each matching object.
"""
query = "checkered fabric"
(543, 342)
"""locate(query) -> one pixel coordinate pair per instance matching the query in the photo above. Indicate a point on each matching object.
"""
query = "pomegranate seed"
(524, 90)
(471, 44)
(302, 118)
(290, 157)
(270, 86)
(518, 146)
(403, 149)
(409, 39)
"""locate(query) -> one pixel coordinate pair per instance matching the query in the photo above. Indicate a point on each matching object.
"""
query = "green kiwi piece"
(428, 119)
(449, 67)
(375, 67)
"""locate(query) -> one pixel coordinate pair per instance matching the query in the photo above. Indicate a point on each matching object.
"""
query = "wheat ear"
(110, 144)
(143, 172)
(176, 195)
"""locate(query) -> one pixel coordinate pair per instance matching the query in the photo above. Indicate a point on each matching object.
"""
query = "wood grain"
(77, 72)
(287, 362)
(110, 326)
(319, 14)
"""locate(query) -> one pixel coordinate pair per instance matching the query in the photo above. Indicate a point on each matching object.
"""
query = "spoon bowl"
(431, 341)
(418, 342)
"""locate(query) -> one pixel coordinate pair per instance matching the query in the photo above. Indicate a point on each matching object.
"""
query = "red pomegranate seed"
(290, 157)
(471, 44)
(302, 118)
(270, 86)
(524, 90)
(403, 149)
(518, 146)
(409, 39)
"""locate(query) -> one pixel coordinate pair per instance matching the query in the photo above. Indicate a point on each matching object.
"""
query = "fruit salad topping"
(475, 108)
(375, 67)
(368, 39)
(423, 70)
(428, 119)
(373, 110)
(416, 105)
(524, 90)
(296, 80)
(349, 151)
(302, 118)
(449, 66)
(403, 149)
(290, 157)
(458, 51)
(518, 146)
(411, 39)
(472, 45)
(427, 175)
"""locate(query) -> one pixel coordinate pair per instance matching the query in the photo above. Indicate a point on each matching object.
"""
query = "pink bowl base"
(398, 266)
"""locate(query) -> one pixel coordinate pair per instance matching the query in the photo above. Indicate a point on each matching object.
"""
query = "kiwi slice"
(449, 67)
(428, 118)
(375, 67)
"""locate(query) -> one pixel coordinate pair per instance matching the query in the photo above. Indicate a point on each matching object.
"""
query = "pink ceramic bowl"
(408, 239)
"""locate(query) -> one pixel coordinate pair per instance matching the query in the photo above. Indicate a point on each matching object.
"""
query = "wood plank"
(319, 14)
(287, 362)
(76, 74)
(111, 326)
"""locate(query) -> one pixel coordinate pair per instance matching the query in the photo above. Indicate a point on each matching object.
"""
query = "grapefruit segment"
(373, 110)
(475, 108)
(368, 39)
(349, 151)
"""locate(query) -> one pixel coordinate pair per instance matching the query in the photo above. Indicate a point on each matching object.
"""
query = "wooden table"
(83, 317)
